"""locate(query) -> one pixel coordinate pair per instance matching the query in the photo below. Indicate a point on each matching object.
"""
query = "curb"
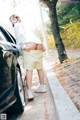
(65, 108)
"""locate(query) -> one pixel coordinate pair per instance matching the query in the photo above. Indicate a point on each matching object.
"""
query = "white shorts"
(33, 59)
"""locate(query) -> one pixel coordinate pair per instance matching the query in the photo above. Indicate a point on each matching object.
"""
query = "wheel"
(19, 93)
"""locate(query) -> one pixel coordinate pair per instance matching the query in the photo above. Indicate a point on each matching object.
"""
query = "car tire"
(19, 93)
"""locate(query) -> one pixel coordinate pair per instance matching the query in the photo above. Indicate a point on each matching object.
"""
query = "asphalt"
(65, 108)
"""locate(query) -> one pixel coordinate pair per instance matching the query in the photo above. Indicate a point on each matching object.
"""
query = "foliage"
(68, 18)
(48, 27)
(67, 12)
(70, 34)
(50, 41)
(55, 29)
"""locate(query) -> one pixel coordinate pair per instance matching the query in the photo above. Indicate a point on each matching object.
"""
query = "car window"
(2, 38)
(13, 40)
(4, 42)
(8, 36)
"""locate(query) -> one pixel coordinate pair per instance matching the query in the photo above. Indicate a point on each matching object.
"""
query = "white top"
(24, 36)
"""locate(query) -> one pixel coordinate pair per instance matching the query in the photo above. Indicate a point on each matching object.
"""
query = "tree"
(55, 29)
(68, 12)
(70, 1)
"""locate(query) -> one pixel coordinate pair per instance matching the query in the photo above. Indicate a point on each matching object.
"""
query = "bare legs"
(41, 88)
(41, 76)
(29, 74)
(29, 84)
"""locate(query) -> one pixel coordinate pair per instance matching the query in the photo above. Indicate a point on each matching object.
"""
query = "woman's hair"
(16, 16)
(12, 16)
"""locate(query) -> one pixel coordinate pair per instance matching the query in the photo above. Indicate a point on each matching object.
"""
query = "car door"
(8, 63)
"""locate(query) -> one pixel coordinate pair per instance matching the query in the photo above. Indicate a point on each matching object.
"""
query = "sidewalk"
(64, 81)
(42, 107)
(56, 103)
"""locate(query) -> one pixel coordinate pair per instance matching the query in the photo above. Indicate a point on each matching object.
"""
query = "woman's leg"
(41, 76)
(41, 88)
(29, 74)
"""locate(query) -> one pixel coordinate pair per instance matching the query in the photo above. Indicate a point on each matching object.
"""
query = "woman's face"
(13, 19)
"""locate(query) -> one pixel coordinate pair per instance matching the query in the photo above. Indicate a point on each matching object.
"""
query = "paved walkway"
(64, 80)
(69, 74)
(69, 77)
(55, 104)
(42, 107)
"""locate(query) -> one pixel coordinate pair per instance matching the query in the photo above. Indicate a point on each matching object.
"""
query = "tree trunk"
(55, 27)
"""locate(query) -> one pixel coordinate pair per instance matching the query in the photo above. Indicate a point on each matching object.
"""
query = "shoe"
(30, 95)
(41, 89)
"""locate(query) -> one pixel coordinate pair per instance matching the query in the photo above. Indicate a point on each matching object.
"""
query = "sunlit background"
(28, 10)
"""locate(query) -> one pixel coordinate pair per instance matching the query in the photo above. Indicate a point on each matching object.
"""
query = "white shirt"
(24, 36)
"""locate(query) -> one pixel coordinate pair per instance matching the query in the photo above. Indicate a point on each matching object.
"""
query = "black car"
(12, 92)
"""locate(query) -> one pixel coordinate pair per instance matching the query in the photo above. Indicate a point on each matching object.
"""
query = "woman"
(33, 49)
